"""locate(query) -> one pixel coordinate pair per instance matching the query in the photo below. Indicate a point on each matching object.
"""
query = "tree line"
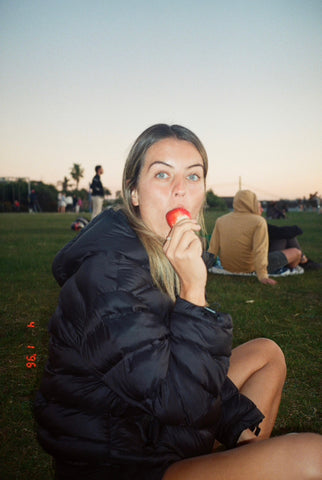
(16, 195)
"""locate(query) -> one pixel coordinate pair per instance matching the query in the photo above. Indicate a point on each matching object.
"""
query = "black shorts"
(276, 260)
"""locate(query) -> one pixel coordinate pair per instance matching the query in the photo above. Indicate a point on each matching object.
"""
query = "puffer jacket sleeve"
(177, 375)
(192, 362)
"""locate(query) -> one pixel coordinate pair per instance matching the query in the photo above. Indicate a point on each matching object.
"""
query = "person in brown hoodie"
(241, 240)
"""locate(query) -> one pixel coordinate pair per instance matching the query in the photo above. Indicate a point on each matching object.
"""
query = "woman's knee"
(308, 448)
(271, 352)
(293, 256)
(255, 355)
(273, 356)
(298, 255)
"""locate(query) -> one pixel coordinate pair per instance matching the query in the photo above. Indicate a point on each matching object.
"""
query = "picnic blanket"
(222, 271)
(218, 270)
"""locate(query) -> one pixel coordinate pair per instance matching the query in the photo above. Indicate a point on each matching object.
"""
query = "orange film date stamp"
(32, 357)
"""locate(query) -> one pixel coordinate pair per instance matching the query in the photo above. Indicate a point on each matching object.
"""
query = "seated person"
(274, 212)
(285, 237)
(142, 381)
(240, 238)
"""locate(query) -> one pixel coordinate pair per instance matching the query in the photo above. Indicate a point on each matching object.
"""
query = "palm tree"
(64, 184)
(77, 172)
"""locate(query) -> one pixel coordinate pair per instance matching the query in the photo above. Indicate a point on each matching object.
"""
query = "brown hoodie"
(240, 238)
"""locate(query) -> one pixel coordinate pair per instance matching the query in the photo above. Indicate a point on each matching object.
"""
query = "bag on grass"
(79, 224)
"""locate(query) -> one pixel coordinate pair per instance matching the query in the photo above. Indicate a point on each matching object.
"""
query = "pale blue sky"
(80, 80)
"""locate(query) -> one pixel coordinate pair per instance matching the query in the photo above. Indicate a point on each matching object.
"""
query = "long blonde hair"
(163, 274)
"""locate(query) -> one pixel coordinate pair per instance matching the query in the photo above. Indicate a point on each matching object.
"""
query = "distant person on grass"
(142, 382)
(35, 207)
(285, 237)
(97, 194)
(274, 212)
(61, 202)
(240, 239)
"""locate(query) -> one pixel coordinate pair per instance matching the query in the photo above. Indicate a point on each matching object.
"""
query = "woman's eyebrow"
(159, 162)
(196, 165)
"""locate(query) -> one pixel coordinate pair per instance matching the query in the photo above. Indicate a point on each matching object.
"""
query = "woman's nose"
(179, 188)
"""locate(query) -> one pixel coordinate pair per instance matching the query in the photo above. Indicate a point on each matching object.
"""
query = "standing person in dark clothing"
(97, 192)
(34, 201)
(142, 380)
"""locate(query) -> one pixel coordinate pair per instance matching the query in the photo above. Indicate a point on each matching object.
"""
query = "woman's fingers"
(178, 233)
(182, 244)
(188, 246)
(183, 248)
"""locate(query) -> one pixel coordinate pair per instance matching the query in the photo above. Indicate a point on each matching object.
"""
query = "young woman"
(141, 382)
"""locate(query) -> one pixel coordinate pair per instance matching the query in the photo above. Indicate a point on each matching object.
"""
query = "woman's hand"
(247, 436)
(183, 249)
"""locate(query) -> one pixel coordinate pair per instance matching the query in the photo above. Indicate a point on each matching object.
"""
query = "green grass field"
(289, 313)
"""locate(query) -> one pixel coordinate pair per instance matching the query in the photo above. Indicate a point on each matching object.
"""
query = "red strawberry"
(174, 216)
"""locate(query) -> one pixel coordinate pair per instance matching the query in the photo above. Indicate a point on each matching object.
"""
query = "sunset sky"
(80, 80)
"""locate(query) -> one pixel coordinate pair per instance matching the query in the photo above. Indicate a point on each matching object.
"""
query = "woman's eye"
(194, 177)
(162, 175)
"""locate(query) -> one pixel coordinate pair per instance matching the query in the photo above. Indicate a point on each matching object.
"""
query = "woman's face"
(172, 176)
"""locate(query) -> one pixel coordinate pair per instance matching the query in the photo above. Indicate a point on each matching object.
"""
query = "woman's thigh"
(290, 457)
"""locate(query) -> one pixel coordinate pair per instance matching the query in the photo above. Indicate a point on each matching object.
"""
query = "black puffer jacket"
(133, 380)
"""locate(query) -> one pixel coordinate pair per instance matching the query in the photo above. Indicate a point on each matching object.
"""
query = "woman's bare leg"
(258, 370)
(293, 256)
(290, 457)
